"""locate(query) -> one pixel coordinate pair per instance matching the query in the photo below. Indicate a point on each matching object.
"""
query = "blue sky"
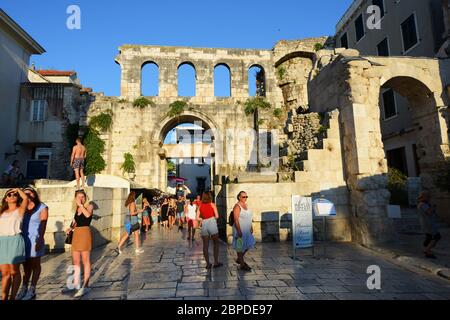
(107, 24)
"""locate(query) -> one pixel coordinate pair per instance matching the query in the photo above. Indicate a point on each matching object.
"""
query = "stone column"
(205, 80)
(168, 78)
(365, 162)
(130, 83)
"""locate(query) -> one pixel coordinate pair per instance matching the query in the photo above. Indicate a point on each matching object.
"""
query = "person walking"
(33, 230)
(12, 245)
(131, 224)
(146, 214)
(180, 212)
(428, 217)
(243, 239)
(190, 212)
(77, 161)
(165, 213)
(172, 212)
(208, 214)
(81, 243)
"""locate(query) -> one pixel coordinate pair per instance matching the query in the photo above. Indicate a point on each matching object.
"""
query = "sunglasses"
(244, 197)
(12, 194)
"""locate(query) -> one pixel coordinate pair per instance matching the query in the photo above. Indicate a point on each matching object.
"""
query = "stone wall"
(109, 213)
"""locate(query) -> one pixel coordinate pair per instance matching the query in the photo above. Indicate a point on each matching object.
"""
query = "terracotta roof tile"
(55, 73)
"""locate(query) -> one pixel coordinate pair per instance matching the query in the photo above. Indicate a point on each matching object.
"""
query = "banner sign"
(302, 222)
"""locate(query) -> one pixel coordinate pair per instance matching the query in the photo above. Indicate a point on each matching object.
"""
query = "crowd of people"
(23, 222)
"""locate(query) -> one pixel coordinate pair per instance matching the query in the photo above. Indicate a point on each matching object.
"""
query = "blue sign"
(302, 222)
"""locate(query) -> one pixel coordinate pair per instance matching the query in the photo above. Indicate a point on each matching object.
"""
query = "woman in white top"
(12, 244)
(243, 239)
(190, 212)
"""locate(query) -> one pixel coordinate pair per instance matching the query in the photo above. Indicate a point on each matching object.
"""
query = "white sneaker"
(22, 293)
(139, 251)
(31, 294)
(83, 291)
(119, 251)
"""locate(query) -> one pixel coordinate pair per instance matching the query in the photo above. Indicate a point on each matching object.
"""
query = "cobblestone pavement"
(173, 268)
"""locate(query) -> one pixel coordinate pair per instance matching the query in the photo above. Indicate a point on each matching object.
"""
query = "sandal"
(218, 265)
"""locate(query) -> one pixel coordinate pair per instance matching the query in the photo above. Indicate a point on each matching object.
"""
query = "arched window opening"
(150, 79)
(256, 81)
(186, 80)
(222, 81)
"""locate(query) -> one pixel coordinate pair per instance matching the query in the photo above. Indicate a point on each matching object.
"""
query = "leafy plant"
(442, 176)
(176, 108)
(277, 112)
(128, 165)
(318, 46)
(261, 122)
(281, 72)
(122, 100)
(252, 104)
(397, 187)
(101, 122)
(170, 166)
(142, 102)
(322, 130)
(95, 148)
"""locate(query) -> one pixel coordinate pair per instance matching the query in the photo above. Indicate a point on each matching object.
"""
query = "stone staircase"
(409, 223)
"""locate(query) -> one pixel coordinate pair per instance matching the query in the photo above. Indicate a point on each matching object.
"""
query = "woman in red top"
(208, 214)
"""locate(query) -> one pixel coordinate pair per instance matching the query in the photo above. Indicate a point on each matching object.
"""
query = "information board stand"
(302, 224)
(324, 208)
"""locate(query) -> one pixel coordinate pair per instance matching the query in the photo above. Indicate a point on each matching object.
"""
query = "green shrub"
(101, 122)
(397, 186)
(170, 166)
(128, 165)
(252, 104)
(142, 102)
(281, 72)
(277, 112)
(176, 108)
(95, 148)
(318, 46)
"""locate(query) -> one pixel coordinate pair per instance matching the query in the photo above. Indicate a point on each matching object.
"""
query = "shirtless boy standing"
(77, 161)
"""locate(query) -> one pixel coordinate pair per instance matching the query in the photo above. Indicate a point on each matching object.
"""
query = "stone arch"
(166, 123)
(426, 123)
(229, 90)
(261, 83)
(143, 65)
(182, 65)
(295, 54)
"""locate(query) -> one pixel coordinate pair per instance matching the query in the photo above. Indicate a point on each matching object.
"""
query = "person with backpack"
(241, 219)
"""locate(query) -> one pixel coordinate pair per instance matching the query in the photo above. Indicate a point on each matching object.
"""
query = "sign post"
(324, 208)
(302, 223)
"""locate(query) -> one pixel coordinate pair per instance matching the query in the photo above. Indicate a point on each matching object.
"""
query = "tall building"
(16, 47)
(407, 28)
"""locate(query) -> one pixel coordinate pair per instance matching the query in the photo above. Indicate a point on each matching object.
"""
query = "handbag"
(69, 237)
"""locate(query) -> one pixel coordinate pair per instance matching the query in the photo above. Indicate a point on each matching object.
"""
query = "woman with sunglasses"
(12, 245)
(33, 231)
(81, 243)
(243, 239)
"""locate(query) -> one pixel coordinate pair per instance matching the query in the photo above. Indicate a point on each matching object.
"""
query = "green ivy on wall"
(128, 165)
(176, 108)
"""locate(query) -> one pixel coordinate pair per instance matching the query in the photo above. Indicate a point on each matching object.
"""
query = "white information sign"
(324, 208)
(302, 222)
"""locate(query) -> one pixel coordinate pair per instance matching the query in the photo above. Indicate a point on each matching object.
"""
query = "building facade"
(52, 104)
(16, 47)
(407, 28)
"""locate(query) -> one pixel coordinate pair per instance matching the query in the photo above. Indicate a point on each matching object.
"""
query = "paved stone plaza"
(172, 268)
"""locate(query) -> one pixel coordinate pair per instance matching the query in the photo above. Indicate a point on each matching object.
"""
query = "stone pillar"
(365, 162)
(239, 80)
(130, 82)
(168, 78)
(205, 79)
